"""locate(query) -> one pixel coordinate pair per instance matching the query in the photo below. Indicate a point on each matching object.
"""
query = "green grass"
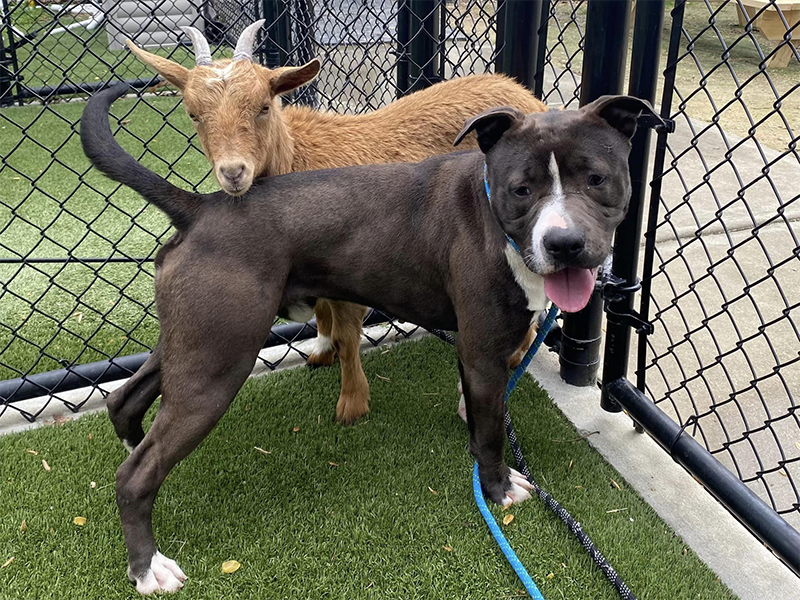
(336, 512)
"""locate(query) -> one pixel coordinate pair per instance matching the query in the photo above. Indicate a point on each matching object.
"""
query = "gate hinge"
(616, 290)
(658, 124)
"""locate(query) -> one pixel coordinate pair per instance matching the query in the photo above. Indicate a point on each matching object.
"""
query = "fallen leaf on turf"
(45, 465)
(551, 575)
(371, 583)
(60, 419)
(93, 484)
(614, 510)
(34, 452)
(296, 429)
(126, 122)
(507, 519)
(333, 464)
(570, 465)
(79, 521)
(24, 527)
(433, 491)
(382, 378)
(230, 566)
(262, 450)
(90, 436)
(448, 547)
(683, 551)
(8, 562)
(615, 485)
(563, 565)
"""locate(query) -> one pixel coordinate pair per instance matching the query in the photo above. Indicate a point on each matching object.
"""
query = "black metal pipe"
(518, 56)
(605, 50)
(746, 506)
(76, 259)
(645, 57)
(96, 373)
(46, 91)
(655, 190)
(424, 43)
(403, 46)
(541, 51)
(276, 32)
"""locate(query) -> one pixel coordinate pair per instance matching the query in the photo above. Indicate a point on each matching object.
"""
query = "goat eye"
(264, 110)
(194, 117)
(522, 191)
(596, 180)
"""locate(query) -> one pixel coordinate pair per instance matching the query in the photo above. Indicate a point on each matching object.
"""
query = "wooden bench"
(769, 23)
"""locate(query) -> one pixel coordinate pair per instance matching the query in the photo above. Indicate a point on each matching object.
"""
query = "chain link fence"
(76, 250)
(723, 290)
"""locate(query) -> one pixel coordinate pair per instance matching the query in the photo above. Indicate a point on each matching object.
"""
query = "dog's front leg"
(484, 383)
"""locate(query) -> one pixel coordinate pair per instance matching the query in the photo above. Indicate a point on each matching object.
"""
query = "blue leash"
(501, 540)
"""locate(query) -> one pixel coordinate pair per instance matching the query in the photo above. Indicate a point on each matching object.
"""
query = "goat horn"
(244, 47)
(202, 53)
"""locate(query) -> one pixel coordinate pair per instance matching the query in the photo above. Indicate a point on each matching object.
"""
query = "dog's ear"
(621, 112)
(490, 126)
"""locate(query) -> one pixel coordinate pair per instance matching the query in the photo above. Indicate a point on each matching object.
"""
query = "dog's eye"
(596, 180)
(522, 191)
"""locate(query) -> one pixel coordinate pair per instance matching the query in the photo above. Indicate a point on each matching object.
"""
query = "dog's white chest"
(531, 283)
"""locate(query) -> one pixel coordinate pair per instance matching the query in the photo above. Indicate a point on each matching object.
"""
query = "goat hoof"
(350, 410)
(316, 360)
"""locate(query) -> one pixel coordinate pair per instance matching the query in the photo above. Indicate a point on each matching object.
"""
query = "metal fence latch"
(614, 290)
(658, 124)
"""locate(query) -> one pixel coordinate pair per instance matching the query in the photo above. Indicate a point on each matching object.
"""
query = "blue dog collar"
(489, 198)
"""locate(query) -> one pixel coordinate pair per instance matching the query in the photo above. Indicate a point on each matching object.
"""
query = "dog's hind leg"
(323, 353)
(354, 397)
(128, 404)
(207, 352)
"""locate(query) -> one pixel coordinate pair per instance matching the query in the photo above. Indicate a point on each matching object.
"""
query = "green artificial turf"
(52, 206)
(382, 509)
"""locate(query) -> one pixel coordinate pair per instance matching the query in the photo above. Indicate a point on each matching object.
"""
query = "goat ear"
(176, 74)
(490, 126)
(621, 112)
(286, 79)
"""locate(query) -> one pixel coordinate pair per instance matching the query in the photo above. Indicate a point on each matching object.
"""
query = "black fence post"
(276, 32)
(541, 52)
(645, 57)
(518, 56)
(424, 43)
(604, 56)
(403, 46)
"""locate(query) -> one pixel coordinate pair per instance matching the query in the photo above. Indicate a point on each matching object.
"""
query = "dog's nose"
(564, 245)
(232, 172)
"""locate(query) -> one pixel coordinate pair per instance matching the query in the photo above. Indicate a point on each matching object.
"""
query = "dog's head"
(560, 185)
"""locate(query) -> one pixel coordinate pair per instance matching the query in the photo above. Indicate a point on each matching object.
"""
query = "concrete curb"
(738, 558)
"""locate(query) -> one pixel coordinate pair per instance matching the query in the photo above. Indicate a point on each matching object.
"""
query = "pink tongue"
(570, 288)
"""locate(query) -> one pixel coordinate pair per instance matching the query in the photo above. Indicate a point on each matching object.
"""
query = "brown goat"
(245, 132)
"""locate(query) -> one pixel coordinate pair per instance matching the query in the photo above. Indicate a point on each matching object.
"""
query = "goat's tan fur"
(227, 101)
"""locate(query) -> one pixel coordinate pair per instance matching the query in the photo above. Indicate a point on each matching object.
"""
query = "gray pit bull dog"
(418, 241)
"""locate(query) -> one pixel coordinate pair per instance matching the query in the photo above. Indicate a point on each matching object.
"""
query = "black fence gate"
(717, 284)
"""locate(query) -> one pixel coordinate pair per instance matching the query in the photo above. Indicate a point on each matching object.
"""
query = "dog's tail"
(108, 157)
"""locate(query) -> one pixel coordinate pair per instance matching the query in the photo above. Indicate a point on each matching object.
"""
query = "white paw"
(164, 575)
(323, 344)
(520, 488)
(462, 404)
(128, 446)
